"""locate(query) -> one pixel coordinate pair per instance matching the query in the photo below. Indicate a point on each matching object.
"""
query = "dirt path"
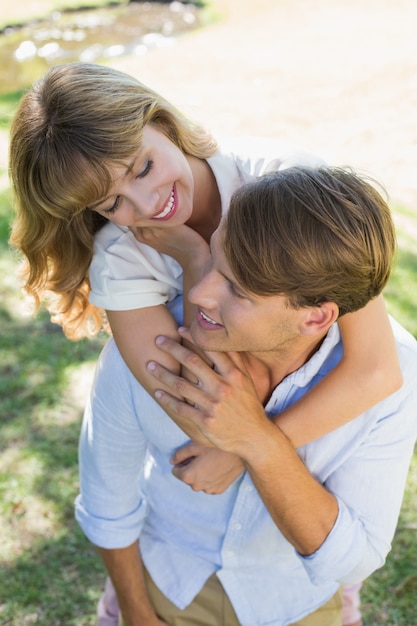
(336, 76)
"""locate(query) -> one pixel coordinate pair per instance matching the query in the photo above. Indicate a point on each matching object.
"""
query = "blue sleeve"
(112, 452)
(369, 487)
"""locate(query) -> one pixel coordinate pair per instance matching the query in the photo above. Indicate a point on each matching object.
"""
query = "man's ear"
(319, 318)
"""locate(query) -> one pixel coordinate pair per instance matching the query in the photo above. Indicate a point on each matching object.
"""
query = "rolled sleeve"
(369, 487)
(108, 532)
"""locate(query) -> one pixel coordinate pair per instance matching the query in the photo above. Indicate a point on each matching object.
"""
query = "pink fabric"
(351, 604)
(108, 607)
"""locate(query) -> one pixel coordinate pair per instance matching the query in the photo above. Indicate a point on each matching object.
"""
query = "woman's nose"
(146, 207)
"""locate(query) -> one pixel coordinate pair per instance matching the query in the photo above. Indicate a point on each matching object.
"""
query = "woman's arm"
(368, 372)
(135, 331)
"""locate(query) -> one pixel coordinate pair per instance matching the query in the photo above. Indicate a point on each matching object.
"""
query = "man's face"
(231, 319)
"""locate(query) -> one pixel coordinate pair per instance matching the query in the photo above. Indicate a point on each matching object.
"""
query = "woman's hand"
(206, 469)
(183, 243)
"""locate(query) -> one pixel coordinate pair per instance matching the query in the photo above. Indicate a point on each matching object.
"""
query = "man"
(296, 250)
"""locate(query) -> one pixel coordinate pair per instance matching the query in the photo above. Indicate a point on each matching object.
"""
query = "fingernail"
(160, 340)
(151, 366)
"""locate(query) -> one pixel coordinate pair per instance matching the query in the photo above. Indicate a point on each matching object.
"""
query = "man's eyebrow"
(231, 281)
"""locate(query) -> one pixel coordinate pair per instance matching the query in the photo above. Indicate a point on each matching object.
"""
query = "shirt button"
(230, 553)
(237, 526)
(249, 488)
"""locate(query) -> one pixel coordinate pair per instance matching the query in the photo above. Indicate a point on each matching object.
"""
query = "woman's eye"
(146, 170)
(113, 208)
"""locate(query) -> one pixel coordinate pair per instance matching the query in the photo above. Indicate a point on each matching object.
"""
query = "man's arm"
(304, 511)
(125, 568)
(224, 406)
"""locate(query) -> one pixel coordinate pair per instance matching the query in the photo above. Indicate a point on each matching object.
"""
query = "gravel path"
(336, 76)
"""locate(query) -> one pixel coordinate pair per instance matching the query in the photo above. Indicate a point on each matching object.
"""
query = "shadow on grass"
(35, 357)
(56, 582)
(50, 574)
(57, 575)
(388, 596)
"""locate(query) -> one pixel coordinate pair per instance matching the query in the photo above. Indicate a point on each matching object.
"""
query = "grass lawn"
(50, 575)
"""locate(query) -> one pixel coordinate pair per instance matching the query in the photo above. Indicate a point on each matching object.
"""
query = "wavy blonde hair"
(75, 123)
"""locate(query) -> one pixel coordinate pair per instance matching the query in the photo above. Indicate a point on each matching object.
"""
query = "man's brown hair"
(314, 235)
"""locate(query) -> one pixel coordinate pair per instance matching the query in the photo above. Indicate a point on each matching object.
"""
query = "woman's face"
(155, 188)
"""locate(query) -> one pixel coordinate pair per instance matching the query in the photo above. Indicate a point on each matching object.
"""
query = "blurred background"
(338, 77)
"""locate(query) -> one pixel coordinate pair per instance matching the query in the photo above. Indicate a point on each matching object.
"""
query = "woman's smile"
(170, 207)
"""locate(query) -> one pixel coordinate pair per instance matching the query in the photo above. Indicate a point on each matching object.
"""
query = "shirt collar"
(318, 363)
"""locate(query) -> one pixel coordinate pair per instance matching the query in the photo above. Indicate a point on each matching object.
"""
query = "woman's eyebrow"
(92, 207)
(129, 168)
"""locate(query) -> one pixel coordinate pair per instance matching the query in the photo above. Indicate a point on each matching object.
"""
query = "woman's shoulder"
(109, 234)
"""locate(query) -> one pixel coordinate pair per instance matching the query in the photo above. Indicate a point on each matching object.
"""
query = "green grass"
(49, 573)
(8, 104)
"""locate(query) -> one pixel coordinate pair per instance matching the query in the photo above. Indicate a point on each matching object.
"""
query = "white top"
(126, 274)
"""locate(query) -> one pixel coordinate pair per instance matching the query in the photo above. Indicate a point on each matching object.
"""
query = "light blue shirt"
(128, 492)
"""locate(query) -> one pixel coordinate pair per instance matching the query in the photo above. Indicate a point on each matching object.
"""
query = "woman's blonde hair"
(73, 124)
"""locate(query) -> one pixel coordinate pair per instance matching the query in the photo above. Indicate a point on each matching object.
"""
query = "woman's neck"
(207, 203)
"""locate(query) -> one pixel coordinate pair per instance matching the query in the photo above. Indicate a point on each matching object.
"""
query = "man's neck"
(268, 369)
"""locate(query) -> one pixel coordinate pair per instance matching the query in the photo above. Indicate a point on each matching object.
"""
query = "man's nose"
(205, 292)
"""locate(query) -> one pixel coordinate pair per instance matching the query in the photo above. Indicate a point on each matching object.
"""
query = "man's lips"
(206, 322)
(169, 208)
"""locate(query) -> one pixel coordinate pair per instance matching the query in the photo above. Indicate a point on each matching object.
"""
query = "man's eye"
(234, 291)
(146, 170)
(113, 208)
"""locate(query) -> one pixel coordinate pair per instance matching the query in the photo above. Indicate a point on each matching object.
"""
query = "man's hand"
(125, 568)
(223, 404)
(206, 469)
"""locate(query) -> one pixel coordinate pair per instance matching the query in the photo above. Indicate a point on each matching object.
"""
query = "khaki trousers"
(211, 607)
